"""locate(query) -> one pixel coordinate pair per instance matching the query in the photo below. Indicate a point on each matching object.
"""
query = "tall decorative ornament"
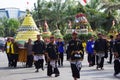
(28, 29)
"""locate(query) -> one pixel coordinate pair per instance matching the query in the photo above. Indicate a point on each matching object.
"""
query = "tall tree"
(56, 12)
(13, 26)
(10, 26)
(1, 31)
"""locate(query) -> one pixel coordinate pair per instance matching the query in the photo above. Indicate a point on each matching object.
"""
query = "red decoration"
(85, 1)
(80, 18)
(79, 15)
(27, 2)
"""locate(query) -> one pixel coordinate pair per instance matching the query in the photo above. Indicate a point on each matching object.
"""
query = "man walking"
(38, 49)
(60, 45)
(28, 47)
(52, 56)
(7, 50)
(14, 53)
(116, 51)
(90, 51)
(100, 48)
(75, 52)
(111, 44)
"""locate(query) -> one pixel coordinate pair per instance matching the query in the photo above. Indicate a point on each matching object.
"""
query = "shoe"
(49, 75)
(9, 65)
(97, 67)
(61, 64)
(43, 69)
(90, 65)
(37, 70)
(109, 62)
(14, 66)
(56, 75)
(58, 65)
(102, 68)
(115, 74)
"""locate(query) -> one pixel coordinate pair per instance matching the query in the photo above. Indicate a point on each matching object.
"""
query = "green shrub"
(67, 37)
(83, 37)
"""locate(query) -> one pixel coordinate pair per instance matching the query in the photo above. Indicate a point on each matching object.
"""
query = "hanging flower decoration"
(80, 18)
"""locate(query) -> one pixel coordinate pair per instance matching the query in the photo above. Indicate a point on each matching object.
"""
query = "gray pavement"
(87, 73)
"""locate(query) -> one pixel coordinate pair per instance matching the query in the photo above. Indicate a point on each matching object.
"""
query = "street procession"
(60, 40)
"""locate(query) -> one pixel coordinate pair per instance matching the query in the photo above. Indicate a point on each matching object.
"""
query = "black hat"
(74, 33)
(52, 37)
(99, 33)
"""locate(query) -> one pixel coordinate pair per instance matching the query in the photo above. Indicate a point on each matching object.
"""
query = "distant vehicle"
(2, 43)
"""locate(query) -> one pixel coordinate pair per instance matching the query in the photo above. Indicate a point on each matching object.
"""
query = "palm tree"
(1, 31)
(111, 8)
(111, 5)
(94, 16)
(4, 23)
(8, 26)
(100, 14)
(56, 12)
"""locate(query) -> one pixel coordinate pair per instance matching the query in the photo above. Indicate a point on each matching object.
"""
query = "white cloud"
(22, 4)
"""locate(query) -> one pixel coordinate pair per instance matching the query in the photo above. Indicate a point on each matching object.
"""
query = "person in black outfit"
(111, 43)
(116, 50)
(100, 47)
(38, 49)
(52, 56)
(75, 55)
(28, 47)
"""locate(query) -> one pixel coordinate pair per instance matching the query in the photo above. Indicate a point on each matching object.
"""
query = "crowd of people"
(52, 53)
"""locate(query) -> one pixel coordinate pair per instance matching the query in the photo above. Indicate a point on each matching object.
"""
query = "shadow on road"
(40, 78)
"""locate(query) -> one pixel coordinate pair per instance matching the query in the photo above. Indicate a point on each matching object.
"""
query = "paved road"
(21, 73)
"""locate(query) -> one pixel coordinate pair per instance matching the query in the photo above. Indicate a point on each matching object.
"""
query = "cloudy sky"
(22, 4)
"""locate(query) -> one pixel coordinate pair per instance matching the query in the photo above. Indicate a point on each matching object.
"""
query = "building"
(11, 13)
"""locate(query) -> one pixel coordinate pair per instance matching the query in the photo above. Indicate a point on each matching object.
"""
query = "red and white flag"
(27, 3)
(84, 2)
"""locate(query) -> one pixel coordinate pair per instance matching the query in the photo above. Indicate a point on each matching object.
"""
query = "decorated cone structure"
(57, 33)
(113, 31)
(46, 32)
(28, 29)
(82, 24)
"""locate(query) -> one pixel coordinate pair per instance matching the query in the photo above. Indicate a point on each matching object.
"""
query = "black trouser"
(39, 64)
(68, 55)
(111, 55)
(91, 59)
(83, 53)
(51, 70)
(100, 65)
(116, 66)
(29, 62)
(75, 71)
(14, 59)
(60, 61)
(9, 59)
(45, 59)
